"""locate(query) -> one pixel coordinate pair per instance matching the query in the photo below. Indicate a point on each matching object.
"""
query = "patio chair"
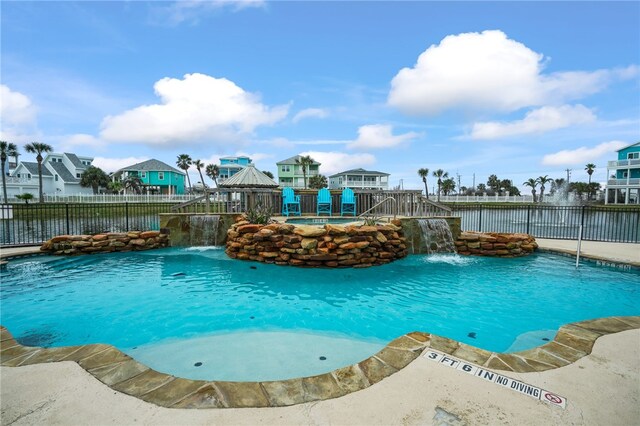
(324, 202)
(347, 202)
(290, 202)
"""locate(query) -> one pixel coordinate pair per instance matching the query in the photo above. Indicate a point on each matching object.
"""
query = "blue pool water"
(173, 308)
(322, 220)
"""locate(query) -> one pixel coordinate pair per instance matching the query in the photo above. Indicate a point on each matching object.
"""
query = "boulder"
(309, 231)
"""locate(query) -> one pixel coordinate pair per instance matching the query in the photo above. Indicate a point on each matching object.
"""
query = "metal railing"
(22, 224)
(556, 222)
(623, 163)
(381, 203)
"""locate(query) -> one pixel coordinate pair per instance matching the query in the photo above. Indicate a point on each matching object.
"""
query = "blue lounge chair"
(290, 202)
(324, 202)
(347, 202)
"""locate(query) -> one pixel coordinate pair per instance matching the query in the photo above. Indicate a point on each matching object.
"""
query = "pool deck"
(601, 388)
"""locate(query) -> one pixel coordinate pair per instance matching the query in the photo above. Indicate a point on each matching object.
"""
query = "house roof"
(292, 160)
(33, 168)
(249, 177)
(63, 172)
(75, 160)
(231, 166)
(360, 172)
(151, 165)
(628, 146)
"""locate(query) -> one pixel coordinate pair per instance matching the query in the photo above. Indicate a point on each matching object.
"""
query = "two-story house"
(229, 166)
(623, 185)
(156, 177)
(290, 172)
(61, 175)
(360, 179)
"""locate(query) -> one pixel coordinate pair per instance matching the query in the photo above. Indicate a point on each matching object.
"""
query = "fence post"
(66, 208)
(126, 215)
(582, 220)
(528, 216)
(480, 219)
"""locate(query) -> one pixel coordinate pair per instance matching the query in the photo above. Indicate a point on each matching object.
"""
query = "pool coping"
(124, 374)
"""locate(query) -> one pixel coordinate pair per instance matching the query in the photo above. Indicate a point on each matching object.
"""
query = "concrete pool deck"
(601, 388)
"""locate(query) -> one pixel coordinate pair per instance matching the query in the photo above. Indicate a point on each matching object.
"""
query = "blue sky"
(517, 89)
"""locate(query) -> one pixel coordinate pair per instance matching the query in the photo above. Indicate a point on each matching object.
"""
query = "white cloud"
(310, 113)
(489, 72)
(113, 164)
(15, 108)
(80, 141)
(334, 162)
(191, 11)
(198, 108)
(582, 155)
(537, 121)
(376, 136)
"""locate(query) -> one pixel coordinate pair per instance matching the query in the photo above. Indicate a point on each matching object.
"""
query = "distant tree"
(304, 162)
(115, 187)
(268, 173)
(448, 185)
(133, 183)
(440, 174)
(580, 189)
(543, 180)
(26, 197)
(533, 183)
(199, 166)
(493, 183)
(94, 177)
(318, 181)
(38, 148)
(7, 149)
(590, 168)
(423, 173)
(183, 162)
(557, 185)
(481, 189)
(213, 171)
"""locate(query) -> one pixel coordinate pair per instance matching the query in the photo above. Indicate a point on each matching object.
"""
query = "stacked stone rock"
(305, 245)
(495, 244)
(107, 242)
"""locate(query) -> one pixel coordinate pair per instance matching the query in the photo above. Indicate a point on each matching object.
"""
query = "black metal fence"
(24, 224)
(557, 222)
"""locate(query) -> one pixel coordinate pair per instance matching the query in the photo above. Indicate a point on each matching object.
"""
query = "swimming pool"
(322, 220)
(175, 308)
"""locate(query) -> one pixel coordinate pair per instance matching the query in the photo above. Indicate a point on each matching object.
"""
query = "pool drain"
(322, 358)
(197, 364)
(472, 334)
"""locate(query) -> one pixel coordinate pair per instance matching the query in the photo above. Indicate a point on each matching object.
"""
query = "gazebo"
(252, 185)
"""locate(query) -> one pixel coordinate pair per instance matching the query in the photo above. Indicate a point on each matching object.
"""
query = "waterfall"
(203, 230)
(436, 236)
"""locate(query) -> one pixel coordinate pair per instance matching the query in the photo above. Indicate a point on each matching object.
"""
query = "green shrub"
(259, 214)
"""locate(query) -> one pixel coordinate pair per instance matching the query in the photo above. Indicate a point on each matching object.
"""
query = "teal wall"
(170, 179)
(624, 155)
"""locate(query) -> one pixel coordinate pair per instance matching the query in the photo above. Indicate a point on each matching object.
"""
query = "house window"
(29, 176)
(286, 168)
(160, 175)
(143, 174)
(56, 178)
(78, 175)
(633, 155)
(625, 175)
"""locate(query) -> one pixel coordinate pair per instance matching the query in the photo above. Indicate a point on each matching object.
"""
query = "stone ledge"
(494, 244)
(107, 242)
(120, 372)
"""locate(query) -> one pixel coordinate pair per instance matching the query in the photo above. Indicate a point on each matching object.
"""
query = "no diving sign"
(491, 376)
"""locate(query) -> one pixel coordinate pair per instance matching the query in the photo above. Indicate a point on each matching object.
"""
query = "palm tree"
(94, 177)
(268, 173)
(199, 165)
(423, 173)
(532, 183)
(494, 183)
(590, 168)
(213, 171)
(26, 197)
(318, 181)
(304, 162)
(7, 149)
(543, 180)
(183, 162)
(448, 185)
(133, 183)
(116, 187)
(38, 148)
(440, 174)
